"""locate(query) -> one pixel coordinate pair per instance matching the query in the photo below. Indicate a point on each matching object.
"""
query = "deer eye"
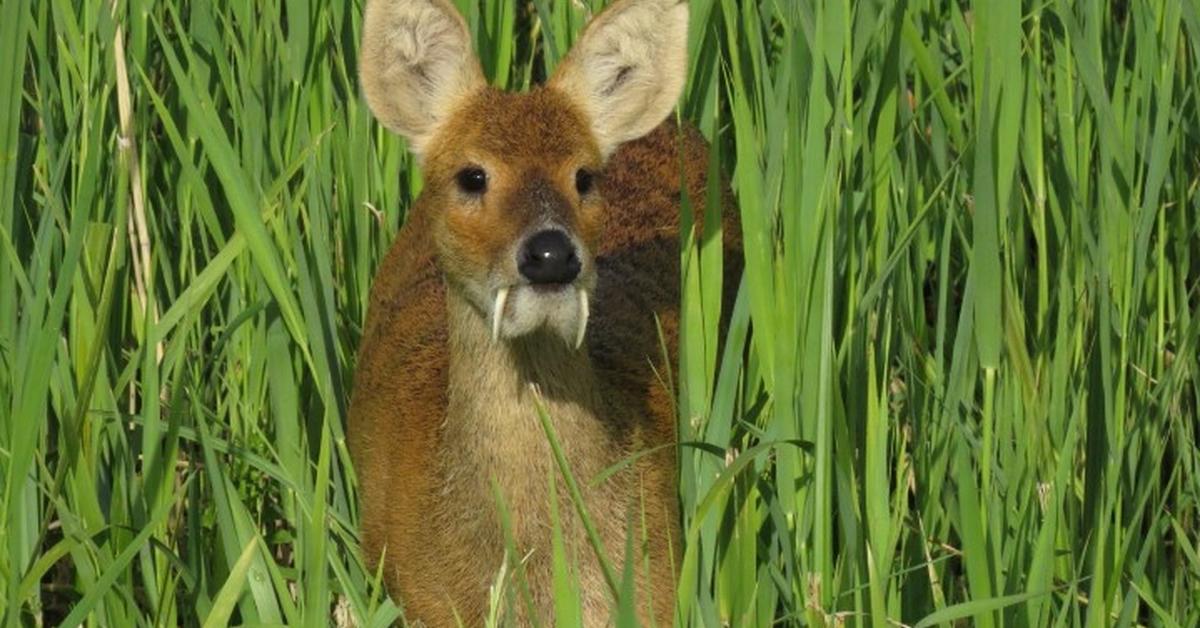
(472, 180)
(583, 181)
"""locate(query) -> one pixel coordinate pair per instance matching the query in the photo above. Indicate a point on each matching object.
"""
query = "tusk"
(583, 317)
(498, 312)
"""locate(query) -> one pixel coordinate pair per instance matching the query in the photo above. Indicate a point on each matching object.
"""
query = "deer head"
(512, 178)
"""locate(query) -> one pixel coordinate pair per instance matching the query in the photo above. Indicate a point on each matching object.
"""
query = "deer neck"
(493, 445)
(492, 431)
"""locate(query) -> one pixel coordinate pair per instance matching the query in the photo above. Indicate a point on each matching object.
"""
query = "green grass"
(960, 380)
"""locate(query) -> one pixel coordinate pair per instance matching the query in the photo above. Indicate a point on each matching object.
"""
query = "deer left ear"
(416, 65)
(628, 68)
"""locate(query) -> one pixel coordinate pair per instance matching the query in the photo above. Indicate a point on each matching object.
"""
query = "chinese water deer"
(537, 267)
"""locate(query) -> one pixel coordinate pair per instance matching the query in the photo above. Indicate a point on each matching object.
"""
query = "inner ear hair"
(622, 75)
(416, 65)
(628, 68)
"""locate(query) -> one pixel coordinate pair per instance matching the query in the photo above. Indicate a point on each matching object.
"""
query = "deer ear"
(416, 65)
(628, 68)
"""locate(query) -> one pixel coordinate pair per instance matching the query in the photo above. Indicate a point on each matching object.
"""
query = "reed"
(959, 384)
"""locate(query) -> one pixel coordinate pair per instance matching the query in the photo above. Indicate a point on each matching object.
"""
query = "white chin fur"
(521, 310)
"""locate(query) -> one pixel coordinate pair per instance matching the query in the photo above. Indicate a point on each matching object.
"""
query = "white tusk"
(583, 317)
(498, 312)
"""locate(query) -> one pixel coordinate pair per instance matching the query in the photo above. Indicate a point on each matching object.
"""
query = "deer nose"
(548, 257)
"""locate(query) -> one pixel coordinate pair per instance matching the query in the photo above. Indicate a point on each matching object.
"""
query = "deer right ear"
(628, 68)
(416, 64)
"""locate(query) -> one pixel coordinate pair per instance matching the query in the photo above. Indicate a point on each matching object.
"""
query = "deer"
(538, 269)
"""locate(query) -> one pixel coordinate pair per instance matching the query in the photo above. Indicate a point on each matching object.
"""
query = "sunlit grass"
(959, 380)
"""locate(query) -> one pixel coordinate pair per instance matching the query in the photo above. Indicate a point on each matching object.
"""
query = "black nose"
(548, 257)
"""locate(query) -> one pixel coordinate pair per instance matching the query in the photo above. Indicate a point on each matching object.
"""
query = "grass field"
(960, 386)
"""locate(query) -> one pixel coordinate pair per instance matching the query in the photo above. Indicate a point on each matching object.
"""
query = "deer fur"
(443, 415)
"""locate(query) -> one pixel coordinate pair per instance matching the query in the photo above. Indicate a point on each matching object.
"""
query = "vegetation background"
(960, 384)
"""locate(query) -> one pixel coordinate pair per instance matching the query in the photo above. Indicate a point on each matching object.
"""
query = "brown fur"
(427, 498)
(531, 146)
(443, 419)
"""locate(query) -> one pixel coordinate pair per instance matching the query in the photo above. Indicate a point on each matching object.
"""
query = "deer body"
(538, 287)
